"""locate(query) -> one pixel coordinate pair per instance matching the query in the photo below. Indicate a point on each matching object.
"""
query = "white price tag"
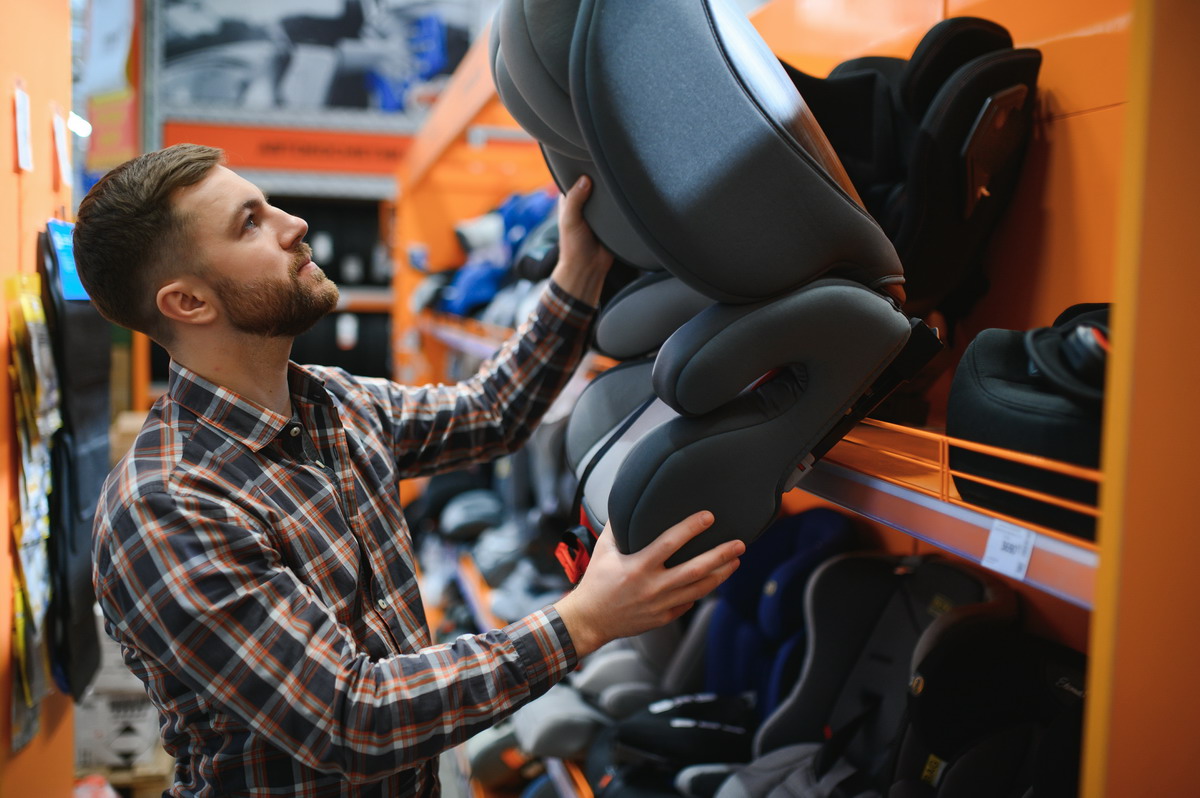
(62, 148)
(24, 130)
(1008, 549)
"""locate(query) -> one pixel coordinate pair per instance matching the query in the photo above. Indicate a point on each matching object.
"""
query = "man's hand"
(583, 262)
(622, 595)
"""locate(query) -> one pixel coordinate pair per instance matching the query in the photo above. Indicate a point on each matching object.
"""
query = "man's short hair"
(126, 232)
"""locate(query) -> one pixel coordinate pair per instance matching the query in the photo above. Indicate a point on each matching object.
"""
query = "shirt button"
(294, 431)
(381, 604)
(319, 464)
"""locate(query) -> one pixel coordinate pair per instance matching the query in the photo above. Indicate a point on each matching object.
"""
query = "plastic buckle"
(574, 552)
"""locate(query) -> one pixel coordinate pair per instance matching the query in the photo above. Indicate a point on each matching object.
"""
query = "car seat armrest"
(614, 668)
(727, 348)
(622, 700)
(645, 313)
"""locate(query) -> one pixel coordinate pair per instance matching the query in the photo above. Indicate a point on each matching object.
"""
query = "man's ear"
(186, 301)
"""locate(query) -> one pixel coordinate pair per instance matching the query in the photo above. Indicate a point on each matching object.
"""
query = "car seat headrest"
(946, 47)
(716, 159)
(535, 40)
(705, 157)
(518, 107)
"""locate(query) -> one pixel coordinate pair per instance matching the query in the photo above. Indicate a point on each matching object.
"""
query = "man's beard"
(274, 308)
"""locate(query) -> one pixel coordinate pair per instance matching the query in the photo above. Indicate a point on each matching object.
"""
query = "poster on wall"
(312, 63)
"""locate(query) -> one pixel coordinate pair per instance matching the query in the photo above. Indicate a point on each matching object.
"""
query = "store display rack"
(901, 477)
(1112, 231)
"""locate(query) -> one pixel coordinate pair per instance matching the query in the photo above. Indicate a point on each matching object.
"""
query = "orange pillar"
(35, 50)
(1143, 699)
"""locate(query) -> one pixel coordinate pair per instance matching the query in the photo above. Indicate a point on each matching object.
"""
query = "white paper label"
(24, 131)
(62, 147)
(1008, 549)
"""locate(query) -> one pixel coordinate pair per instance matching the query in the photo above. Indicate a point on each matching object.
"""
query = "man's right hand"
(622, 595)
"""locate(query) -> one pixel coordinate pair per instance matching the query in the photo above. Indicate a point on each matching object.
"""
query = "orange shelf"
(365, 300)
(568, 778)
(480, 339)
(900, 477)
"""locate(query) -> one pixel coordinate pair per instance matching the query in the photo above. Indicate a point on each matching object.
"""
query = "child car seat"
(869, 619)
(993, 712)
(740, 641)
(756, 641)
(1041, 392)
(934, 145)
(706, 162)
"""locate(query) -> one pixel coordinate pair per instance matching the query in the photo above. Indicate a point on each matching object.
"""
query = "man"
(251, 555)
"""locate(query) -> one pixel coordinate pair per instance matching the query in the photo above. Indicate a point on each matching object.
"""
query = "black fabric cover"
(998, 711)
(919, 137)
(689, 730)
(82, 343)
(994, 399)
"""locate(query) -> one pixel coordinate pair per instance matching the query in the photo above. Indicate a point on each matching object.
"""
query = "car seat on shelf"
(747, 640)
(993, 712)
(755, 643)
(870, 619)
(934, 145)
(1039, 392)
(707, 163)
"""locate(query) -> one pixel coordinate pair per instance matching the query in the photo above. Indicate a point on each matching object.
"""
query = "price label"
(24, 130)
(1008, 549)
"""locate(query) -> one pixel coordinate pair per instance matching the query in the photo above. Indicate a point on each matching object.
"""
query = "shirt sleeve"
(195, 588)
(441, 428)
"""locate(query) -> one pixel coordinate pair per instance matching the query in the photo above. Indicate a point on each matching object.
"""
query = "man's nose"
(295, 230)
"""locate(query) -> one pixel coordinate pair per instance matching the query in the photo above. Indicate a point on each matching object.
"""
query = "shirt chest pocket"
(315, 542)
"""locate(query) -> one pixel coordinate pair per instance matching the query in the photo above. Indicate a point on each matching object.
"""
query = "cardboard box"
(116, 731)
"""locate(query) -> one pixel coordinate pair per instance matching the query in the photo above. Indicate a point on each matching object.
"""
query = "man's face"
(254, 257)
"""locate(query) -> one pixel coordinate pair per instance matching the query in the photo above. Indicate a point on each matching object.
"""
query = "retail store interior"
(898, 293)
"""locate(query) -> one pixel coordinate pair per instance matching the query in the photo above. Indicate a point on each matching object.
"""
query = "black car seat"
(871, 618)
(993, 712)
(934, 145)
(1040, 392)
(707, 163)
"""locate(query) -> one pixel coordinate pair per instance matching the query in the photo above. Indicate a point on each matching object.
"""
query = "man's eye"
(250, 222)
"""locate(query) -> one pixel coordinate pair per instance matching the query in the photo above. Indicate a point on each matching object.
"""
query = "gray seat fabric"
(706, 162)
(641, 316)
(871, 619)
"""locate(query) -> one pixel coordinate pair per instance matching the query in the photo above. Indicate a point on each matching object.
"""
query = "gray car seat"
(871, 618)
(707, 163)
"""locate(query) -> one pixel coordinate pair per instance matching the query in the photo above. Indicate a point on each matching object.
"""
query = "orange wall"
(35, 47)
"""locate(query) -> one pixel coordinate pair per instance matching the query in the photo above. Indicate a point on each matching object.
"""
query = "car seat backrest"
(934, 145)
(941, 52)
(993, 712)
(865, 615)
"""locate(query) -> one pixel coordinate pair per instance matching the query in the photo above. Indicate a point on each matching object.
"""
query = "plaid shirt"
(269, 601)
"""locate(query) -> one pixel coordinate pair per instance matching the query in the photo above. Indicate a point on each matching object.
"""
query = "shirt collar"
(244, 420)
